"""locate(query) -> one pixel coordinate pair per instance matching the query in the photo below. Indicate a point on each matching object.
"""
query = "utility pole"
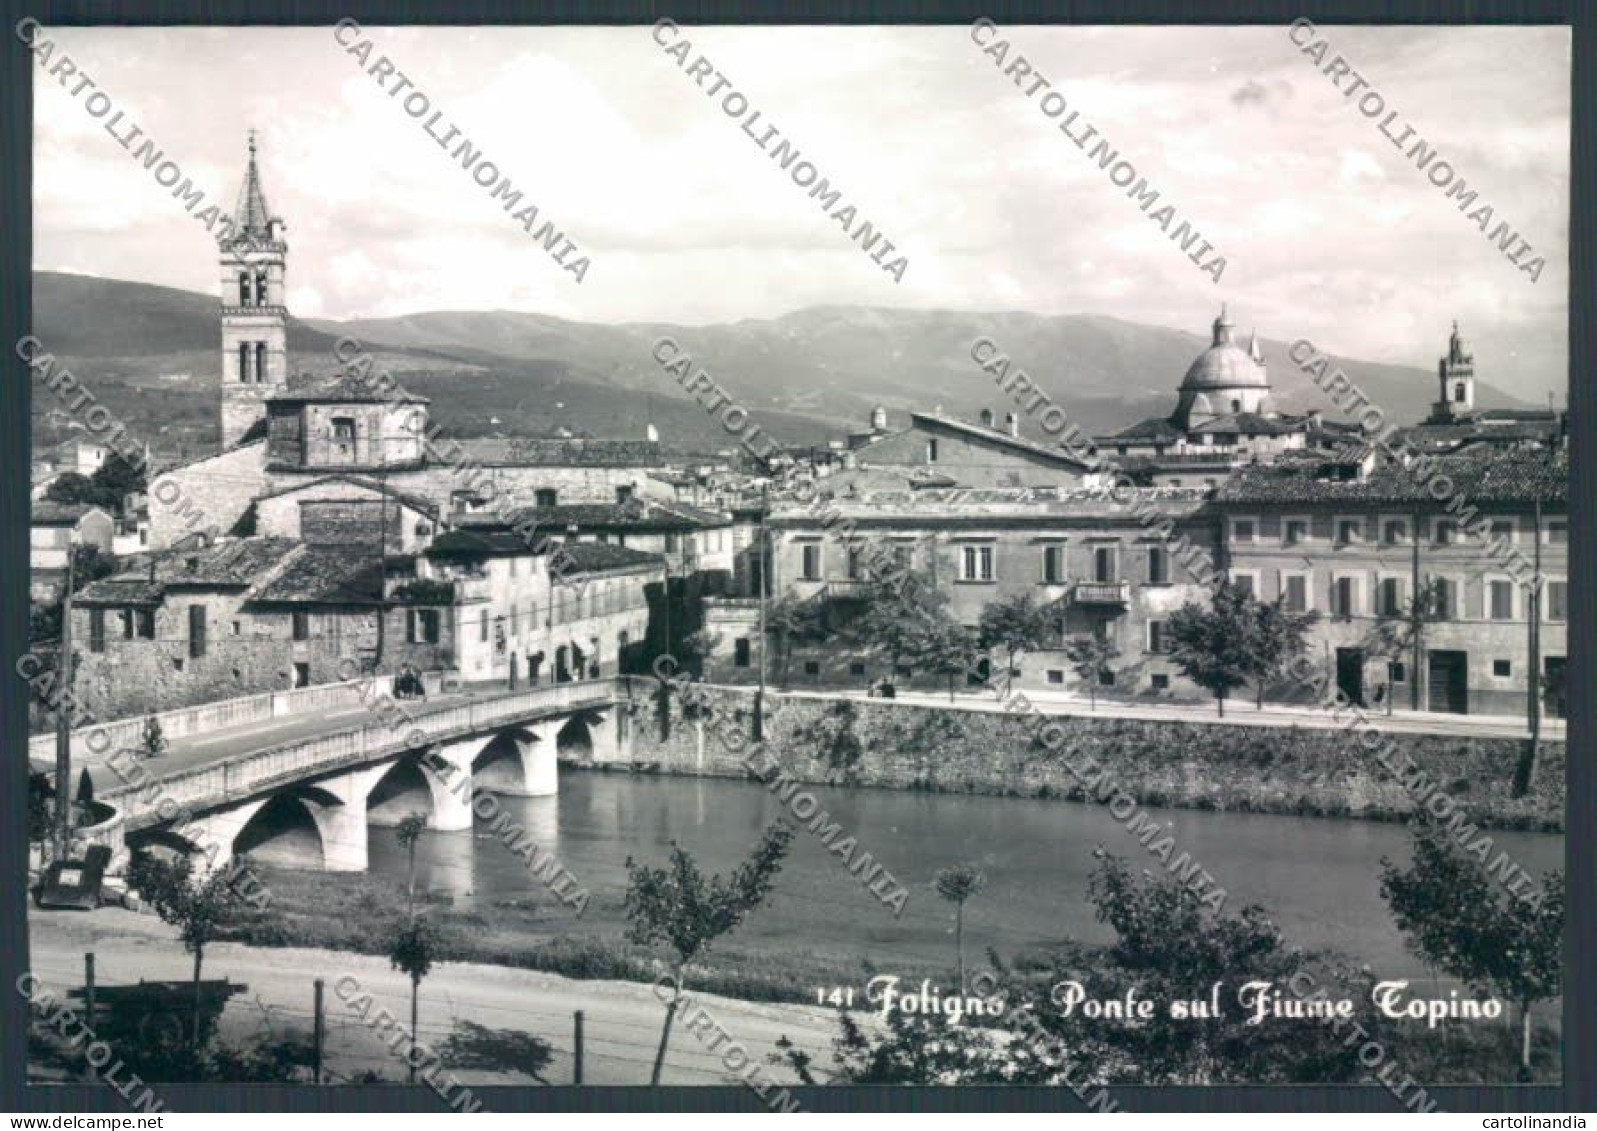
(1420, 611)
(1533, 681)
(759, 695)
(63, 718)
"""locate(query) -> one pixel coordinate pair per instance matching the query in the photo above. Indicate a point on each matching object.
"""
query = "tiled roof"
(1252, 422)
(632, 515)
(342, 388)
(998, 436)
(415, 502)
(226, 565)
(318, 576)
(483, 542)
(592, 557)
(120, 591)
(522, 451)
(1480, 475)
(1154, 428)
(47, 513)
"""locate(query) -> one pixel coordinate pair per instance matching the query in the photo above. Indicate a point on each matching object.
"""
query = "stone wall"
(1167, 763)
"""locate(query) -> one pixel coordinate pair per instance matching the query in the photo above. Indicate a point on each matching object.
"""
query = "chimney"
(1012, 424)
(986, 418)
(651, 433)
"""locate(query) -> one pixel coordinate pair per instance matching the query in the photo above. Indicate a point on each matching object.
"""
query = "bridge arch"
(403, 789)
(284, 832)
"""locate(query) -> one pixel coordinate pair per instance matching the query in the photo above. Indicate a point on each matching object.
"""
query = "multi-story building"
(936, 449)
(1357, 551)
(566, 611)
(55, 529)
(1100, 564)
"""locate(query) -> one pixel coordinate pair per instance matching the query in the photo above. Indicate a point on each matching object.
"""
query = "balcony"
(1101, 593)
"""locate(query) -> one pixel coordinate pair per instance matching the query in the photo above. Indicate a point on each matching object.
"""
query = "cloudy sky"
(1328, 233)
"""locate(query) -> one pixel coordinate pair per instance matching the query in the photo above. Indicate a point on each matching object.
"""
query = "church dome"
(1225, 365)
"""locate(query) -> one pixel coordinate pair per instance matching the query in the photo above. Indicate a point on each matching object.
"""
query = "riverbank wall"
(965, 749)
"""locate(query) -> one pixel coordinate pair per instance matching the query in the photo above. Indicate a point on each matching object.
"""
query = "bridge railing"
(246, 774)
(99, 740)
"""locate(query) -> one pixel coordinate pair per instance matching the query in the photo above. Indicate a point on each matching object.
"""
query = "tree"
(790, 619)
(676, 905)
(154, 737)
(946, 647)
(957, 884)
(894, 616)
(198, 906)
(1401, 635)
(1215, 646)
(1015, 624)
(1090, 656)
(114, 480)
(70, 489)
(411, 950)
(408, 832)
(1461, 922)
(1279, 637)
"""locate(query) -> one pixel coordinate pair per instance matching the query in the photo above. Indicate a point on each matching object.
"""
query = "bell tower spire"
(254, 318)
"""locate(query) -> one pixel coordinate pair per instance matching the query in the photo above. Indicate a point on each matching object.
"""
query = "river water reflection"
(1319, 877)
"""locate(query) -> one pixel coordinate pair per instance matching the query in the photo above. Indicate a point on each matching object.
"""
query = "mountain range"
(150, 354)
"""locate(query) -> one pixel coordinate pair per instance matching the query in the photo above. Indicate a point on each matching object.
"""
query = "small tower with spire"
(254, 317)
(1456, 376)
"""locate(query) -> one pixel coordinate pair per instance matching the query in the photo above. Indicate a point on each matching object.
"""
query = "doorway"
(1448, 677)
(1350, 674)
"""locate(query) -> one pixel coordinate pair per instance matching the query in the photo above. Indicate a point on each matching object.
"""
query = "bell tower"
(254, 317)
(1456, 375)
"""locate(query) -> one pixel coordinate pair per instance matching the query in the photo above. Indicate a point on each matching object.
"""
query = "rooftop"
(234, 564)
(47, 513)
(318, 576)
(595, 557)
(523, 451)
(341, 388)
(998, 436)
(1481, 474)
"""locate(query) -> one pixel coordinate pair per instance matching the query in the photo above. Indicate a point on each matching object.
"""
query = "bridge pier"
(536, 770)
(341, 818)
(448, 770)
(212, 835)
(607, 735)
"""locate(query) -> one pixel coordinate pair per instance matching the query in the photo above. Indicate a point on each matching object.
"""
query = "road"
(621, 1019)
(1239, 712)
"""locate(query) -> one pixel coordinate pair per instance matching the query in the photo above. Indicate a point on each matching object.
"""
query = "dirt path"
(621, 1019)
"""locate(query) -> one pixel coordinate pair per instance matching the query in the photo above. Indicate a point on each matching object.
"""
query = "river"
(1318, 877)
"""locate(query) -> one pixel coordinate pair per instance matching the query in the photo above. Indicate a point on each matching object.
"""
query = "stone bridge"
(308, 802)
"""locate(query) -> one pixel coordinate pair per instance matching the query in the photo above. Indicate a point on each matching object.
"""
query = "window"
(1159, 681)
(196, 630)
(1103, 564)
(1053, 565)
(741, 652)
(856, 668)
(1246, 582)
(302, 625)
(1295, 593)
(1558, 600)
(1445, 597)
(546, 497)
(1156, 640)
(1446, 532)
(976, 563)
(482, 625)
(302, 674)
(343, 429)
(1389, 597)
(1106, 678)
(244, 362)
(1503, 528)
(126, 617)
(421, 626)
(623, 494)
(1501, 594)
(97, 630)
(1349, 531)
(1557, 532)
(904, 671)
(237, 627)
(1397, 671)
(1243, 530)
(673, 542)
(812, 667)
(1502, 669)
(1158, 566)
(931, 451)
(1344, 596)
(811, 561)
(1295, 530)
(1458, 392)
(1056, 675)
(1394, 531)
(855, 565)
